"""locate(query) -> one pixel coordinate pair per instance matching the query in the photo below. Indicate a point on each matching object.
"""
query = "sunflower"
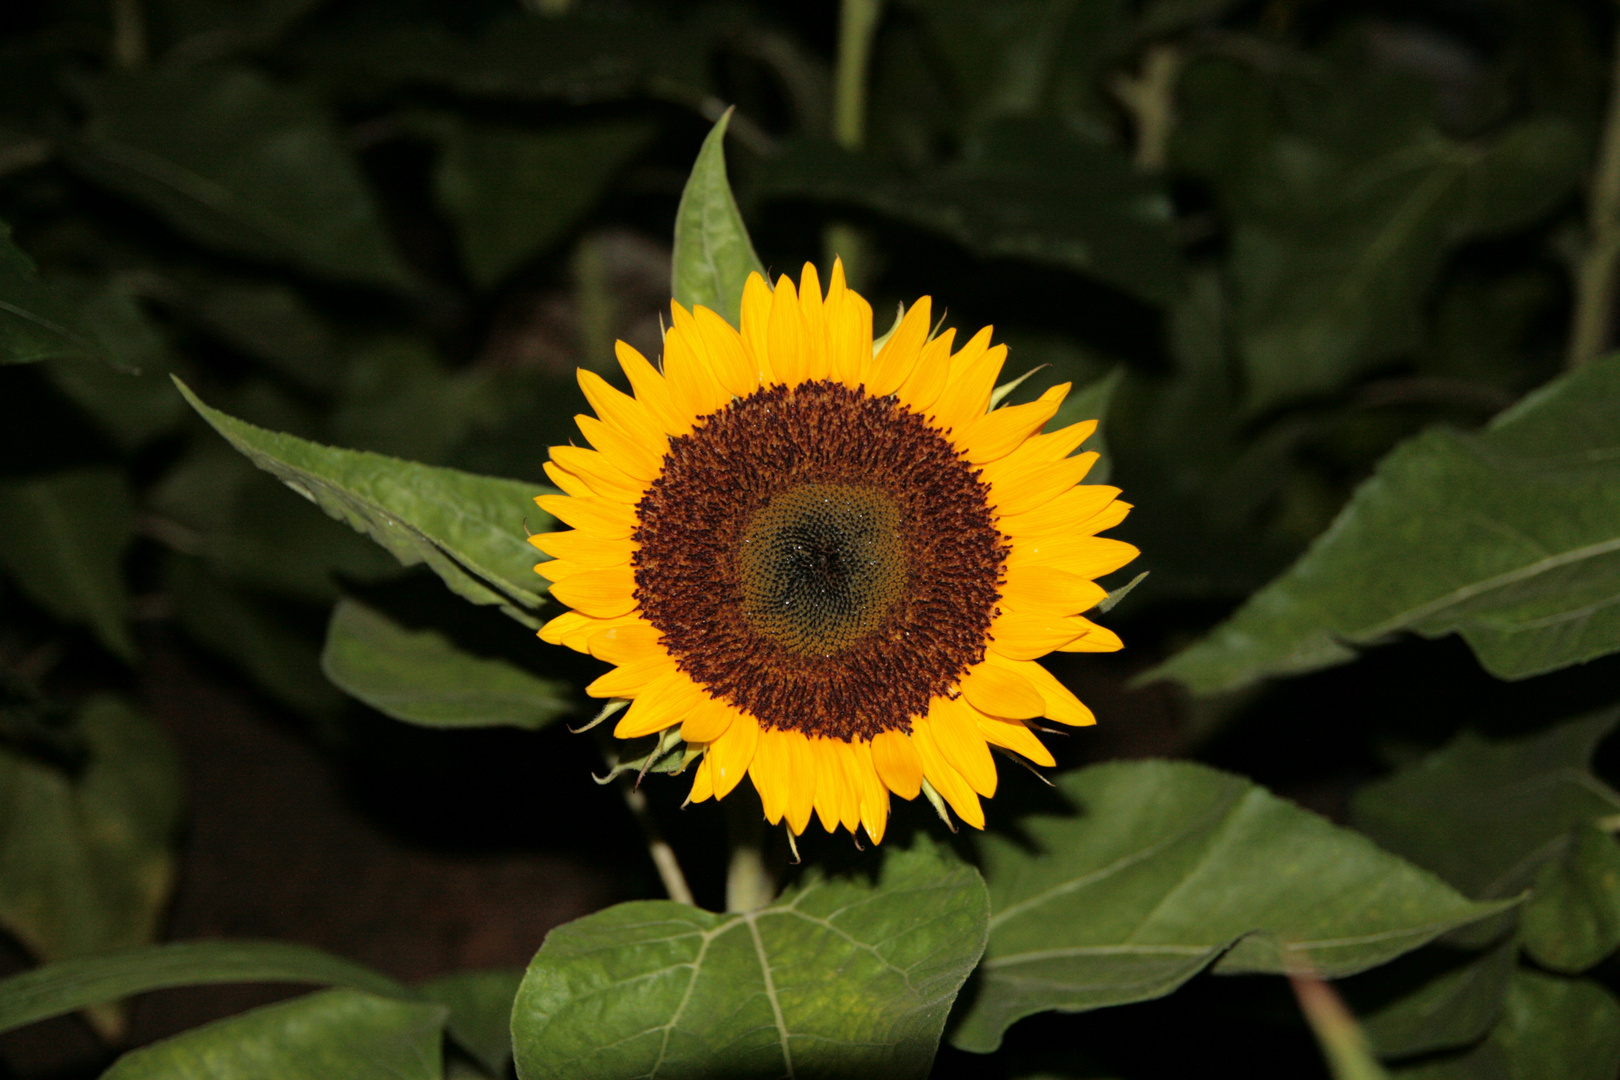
(832, 566)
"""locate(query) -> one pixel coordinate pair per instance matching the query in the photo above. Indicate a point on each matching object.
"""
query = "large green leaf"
(1551, 1029)
(87, 857)
(1495, 818)
(480, 1004)
(240, 163)
(36, 321)
(75, 984)
(62, 538)
(1028, 189)
(467, 528)
(713, 255)
(330, 1035)
(1510, 537)
(837, 978)
(1169, 867)
(1433, 999)
(513, 191)
(421, 677)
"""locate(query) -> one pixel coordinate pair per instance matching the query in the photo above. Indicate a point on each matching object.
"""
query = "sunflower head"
(832, 566)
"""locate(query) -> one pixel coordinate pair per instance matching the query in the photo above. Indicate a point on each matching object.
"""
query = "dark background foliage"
(1291, 233)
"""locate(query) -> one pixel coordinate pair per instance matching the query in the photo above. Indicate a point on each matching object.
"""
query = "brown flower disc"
(821, 559)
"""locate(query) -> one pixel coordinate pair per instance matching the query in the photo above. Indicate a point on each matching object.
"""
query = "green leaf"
(331, 1035)
(836, 978)
(62, 538)
(270, 322)
(87, 859)
(75, 984)
(1027, 189)
(1486, 815)
(467, 528)
(480, 1004)
(1573, 919)
(1552, 1028)
(36, 321)
(513, 192)
(241, 164)
(1155, 878)
(713, 255)
(1433, 999)
(421, 677)
(1510, 537)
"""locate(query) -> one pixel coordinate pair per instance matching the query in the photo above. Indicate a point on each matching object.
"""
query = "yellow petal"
(771, 773)
(584, 548)
(849, 331)
(801, 794)
(622, 411)
(1088, 556)
(756, 324)
(634, 459)
(687, 370)
(813, 319)
(726, 353)
(946, 780)
(1049, 590)
(652, 391)
(558, 569)
(1021, 635)
(997, 433)
(1001, 691)
(708, 721)
(601, 593)
(1058, 702)
(702, 782)
(605, 478)
(972, 379)
(873, 795)
(605, 518)
(784, 335)
(845, 757)
(625, 641)
(1063, 514)
(927, 379)
(1034, 483)
(900, 354)
(731, 754)
(664, 703)
(632, 678)
(829, 790)
(897, 764)
(1094, 638)
(957, 736)
(1014, 735)
(571, 629)
(566, 480)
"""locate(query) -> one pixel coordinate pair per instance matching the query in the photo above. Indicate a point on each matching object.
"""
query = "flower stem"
(1343, 1043)
(1595, 272)
(857, 26)
(663, 856)
(128, 34)
(748, 881)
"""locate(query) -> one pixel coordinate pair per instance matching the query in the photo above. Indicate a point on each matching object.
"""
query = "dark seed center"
(820, 566)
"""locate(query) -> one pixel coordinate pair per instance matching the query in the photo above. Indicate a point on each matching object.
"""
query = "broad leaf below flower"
(836, 978)
(1167, 868)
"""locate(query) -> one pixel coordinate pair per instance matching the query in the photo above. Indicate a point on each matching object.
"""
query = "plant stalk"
(857, 26)
(663, 856)
(1595, 272)
(128, 34)
(749, 885)
(1343, 1043)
